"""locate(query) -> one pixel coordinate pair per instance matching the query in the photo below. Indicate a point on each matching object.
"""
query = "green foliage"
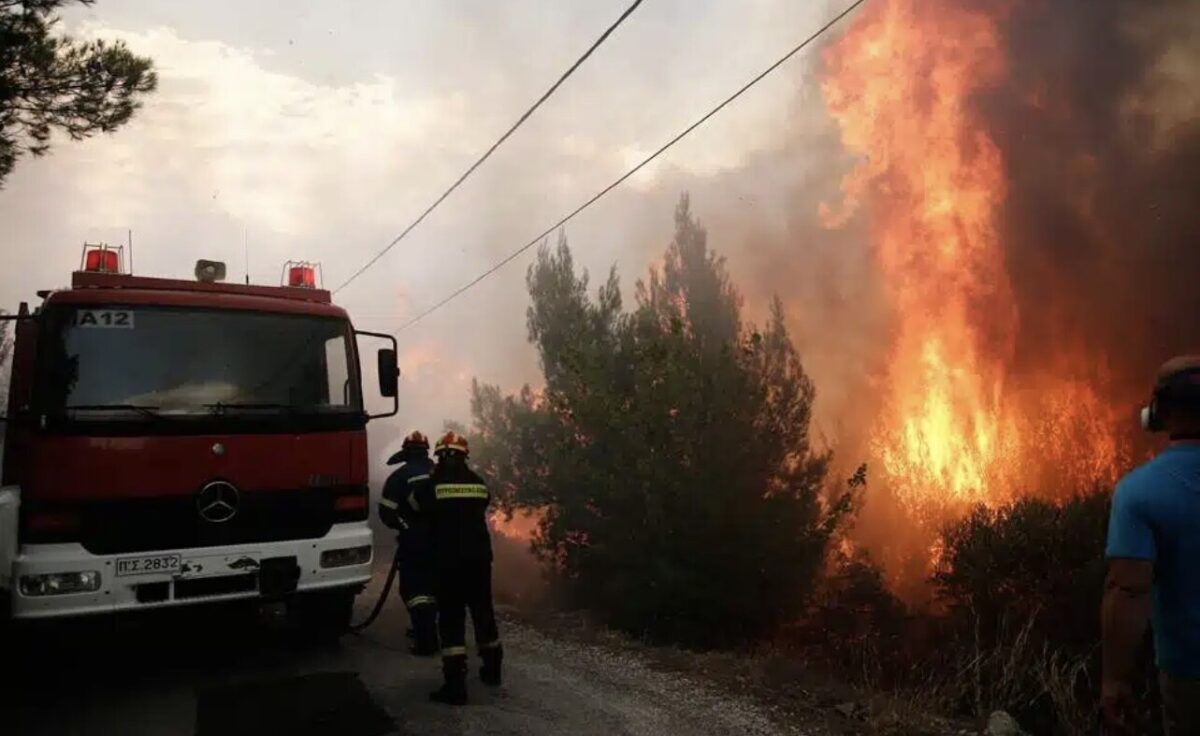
(50, 82)
(856, 627)
(669, 451)
(1022, 586)
(1031, 559)
(1016, 627)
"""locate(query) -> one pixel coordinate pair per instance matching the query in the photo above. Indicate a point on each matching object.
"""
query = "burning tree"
(1021, 170)
(959, 425)
(669, 450)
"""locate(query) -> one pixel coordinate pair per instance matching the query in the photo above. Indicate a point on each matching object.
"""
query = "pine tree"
(668, 450)
(49, 82)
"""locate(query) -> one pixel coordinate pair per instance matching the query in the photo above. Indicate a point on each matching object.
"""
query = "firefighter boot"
(492, 657)
(454, 689)
(425, 634)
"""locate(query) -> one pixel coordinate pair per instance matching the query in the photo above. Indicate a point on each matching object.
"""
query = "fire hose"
(387, 588)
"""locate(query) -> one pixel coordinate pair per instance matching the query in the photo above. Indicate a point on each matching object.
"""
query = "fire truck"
(174, 442)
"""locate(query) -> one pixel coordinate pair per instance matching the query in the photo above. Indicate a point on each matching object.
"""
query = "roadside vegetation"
(1015, 624)
(682, 501)
(669, 450)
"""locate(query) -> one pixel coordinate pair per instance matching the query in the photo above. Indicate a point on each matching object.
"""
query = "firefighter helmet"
(452, 442)
(416, 439)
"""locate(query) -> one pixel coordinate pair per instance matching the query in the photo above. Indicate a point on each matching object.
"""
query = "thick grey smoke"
(1100, 128)
(1098, 123)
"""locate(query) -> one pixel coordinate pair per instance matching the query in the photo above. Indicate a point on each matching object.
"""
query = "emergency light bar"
(302, 274)
(102, 258)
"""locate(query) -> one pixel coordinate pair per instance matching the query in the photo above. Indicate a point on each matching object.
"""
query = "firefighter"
(415, 540)
(457, 501)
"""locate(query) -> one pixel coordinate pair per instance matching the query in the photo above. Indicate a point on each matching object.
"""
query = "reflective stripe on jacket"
(456, 500)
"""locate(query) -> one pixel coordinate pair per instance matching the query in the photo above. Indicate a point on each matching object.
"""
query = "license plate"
(149, 565)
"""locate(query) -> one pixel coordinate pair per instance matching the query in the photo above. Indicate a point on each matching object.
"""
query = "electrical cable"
(487, 154)
(596, 197)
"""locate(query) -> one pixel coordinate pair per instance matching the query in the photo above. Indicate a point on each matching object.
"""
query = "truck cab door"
(19, 421)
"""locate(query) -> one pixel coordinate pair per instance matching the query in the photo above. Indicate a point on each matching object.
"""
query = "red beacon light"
(302, 274)
(102, 258)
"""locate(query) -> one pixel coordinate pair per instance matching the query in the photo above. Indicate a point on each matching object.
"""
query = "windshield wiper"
(221, 407)
(146, 411)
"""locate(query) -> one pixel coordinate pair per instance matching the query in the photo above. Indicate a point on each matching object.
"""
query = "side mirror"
(387, 366)
(389, 372)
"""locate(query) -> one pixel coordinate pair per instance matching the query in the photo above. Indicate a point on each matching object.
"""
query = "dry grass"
(888, 675)
(999, 676)
(1067, 681)
(1018, 674)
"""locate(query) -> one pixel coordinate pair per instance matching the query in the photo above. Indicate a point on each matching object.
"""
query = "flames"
(959, 423)
(521, 526)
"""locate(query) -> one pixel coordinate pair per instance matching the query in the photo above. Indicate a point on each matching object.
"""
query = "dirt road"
(217, 674)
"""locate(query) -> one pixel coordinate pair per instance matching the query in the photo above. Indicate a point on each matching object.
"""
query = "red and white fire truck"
(174, 442)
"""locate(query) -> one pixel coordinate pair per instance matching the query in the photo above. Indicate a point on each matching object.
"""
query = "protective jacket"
(414, 535)
(456, 500)
(394, 509)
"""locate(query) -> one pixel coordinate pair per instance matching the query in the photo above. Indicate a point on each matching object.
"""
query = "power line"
(596, 197)
(487, 154)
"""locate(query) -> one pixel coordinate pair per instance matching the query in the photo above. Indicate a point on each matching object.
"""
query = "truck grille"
(223, 585)
(144, 525)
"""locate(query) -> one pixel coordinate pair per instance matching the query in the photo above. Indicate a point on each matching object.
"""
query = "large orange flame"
(958, 425)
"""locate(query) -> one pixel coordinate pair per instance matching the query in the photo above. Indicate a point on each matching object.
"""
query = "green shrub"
(1031, 560)
(668, 452)
(1021, 586)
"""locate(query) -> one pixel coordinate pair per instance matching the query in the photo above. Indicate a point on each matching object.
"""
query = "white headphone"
(1185, 382)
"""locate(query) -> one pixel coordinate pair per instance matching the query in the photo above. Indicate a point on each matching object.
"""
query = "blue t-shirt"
(1156, 517)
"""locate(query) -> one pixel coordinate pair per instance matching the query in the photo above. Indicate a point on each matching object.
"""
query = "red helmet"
(452, 442)
(415, 440)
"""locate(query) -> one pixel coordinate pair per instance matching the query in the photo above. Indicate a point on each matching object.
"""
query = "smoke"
(520, 579)
(1100, 132)
(1096, 117)
(1097, 120)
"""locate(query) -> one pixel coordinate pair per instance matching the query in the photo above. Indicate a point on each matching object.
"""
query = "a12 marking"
(104, 318)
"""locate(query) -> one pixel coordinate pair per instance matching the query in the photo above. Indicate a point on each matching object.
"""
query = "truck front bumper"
(193, 576)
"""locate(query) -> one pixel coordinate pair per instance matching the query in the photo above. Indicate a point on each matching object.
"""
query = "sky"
(318, 130)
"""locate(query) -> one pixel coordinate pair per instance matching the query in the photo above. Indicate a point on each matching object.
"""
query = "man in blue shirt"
(1153, 556)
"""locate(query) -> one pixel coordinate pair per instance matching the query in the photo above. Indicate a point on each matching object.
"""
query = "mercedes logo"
(217, 502)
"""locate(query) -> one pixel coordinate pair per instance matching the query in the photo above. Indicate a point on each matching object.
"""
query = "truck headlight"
(60, 583)
(346, 557)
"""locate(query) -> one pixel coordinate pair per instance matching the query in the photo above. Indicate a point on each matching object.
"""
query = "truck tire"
(325, 614)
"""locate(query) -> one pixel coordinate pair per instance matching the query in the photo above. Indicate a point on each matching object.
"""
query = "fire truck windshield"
(160, 362)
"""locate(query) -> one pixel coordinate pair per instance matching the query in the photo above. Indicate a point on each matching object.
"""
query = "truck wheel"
(325, 614)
